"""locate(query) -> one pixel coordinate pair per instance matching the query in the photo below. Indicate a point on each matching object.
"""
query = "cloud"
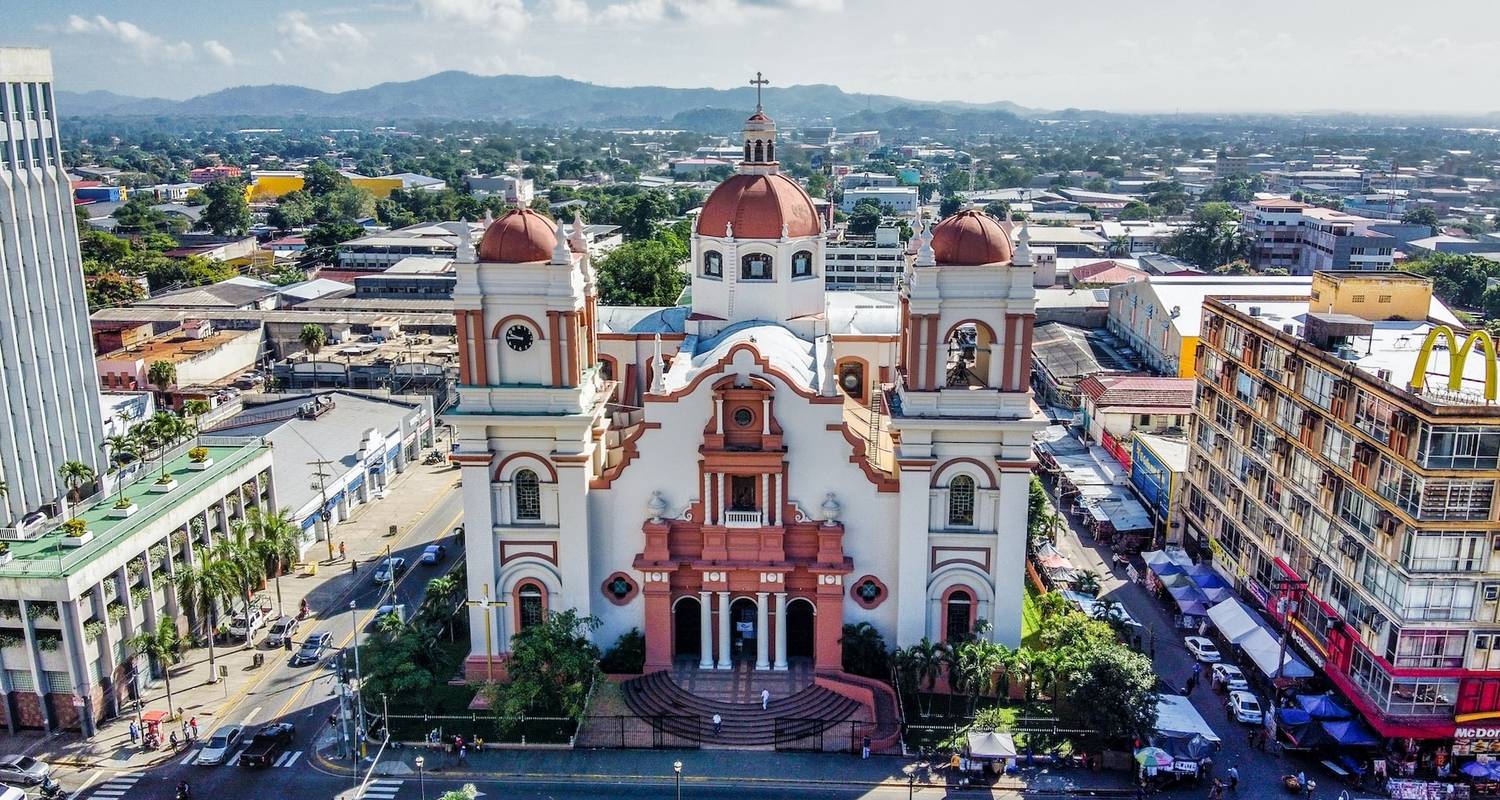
(142, 42)
(218, 52)
(567, 11)
(503, 18)
(300, 31)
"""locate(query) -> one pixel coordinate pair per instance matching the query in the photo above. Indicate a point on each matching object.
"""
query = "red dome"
(759, 205)
(519, 237)
(970, 238)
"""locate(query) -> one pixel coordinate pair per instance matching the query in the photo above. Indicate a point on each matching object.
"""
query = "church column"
(765, 416)
(762, 621)
(483, 577)
(464, 378)
(1010, 548)
(912, 549)
(570, 326)
(573, 534)
(719, 415)
(780, 631)
(933, 353)
(998, 375)
(553, 346)
(724, 661)
(705, 630)
(476, 321)
(492, 358)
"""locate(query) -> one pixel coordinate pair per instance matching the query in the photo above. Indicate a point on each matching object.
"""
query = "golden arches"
(1457, 356)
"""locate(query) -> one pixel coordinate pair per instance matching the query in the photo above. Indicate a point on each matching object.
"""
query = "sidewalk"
(412, 496)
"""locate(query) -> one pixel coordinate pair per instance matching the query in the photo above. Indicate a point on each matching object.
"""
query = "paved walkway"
(412, 495)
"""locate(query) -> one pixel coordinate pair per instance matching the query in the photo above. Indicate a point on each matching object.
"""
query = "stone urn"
(656, 507)
(830, 509)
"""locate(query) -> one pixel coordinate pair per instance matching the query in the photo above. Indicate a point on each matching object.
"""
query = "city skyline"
(1389, 62)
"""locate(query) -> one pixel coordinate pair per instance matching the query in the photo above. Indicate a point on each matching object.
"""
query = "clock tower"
(531, 420)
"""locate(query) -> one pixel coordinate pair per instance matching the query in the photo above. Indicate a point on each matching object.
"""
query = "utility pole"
(1288, 605)
(359, 697)
(322, 465)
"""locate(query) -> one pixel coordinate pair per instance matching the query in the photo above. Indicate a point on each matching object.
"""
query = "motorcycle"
(51, 790)
(183, 792)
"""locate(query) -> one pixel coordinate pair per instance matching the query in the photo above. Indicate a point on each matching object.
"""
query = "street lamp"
(677, 768)
(421, 781)
(359, 731)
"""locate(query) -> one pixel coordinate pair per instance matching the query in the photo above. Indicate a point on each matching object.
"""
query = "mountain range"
(521, 98)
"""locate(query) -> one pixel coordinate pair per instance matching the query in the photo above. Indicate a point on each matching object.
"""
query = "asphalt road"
(302, 695)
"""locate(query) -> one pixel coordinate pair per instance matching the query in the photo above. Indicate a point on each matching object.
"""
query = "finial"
(1022, 255)
(579, 242)
(658, 379)
(786, 232)
(489, 217)
(729, 229)
(465, 253)
(925, 256)
(560, 252)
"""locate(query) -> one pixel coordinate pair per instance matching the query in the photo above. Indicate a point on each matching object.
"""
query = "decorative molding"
(547, 465)
(512, 550)
(606, 588)
(942, 556)
(858, 598)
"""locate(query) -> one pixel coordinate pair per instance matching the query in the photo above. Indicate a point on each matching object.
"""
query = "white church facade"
(742, 476)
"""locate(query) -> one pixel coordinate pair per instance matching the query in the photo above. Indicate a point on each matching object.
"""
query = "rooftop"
(1137, 392)
(175, 349)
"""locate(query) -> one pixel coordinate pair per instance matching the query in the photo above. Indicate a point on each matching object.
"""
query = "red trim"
(610, 596)
(545, 464)
(515, 597)
(979, 323)
(973, 608)
(860, 600)
(969, 459)
(496, 333)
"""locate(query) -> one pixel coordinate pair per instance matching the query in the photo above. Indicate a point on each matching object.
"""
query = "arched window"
(961, 500)
(747, 149)
(852, 379)
(532, 609)
(770, 151)
(956, 617)
(528, 495)
(802, 264)
(755, 267)
(713, 264)
(760, 153)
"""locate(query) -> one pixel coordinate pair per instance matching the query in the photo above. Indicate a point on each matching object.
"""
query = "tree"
(864, 651)
(320, 178)
(1213, 239)
(643, 273)
(865, 217)
(950, 205)
(1118, 247)
(161, 374)
(199, 588)
(240, 569)
(551, 668)
(162, 646)
(227, 212)
(1112, 691)
(277, 540)
(293, 210)
(628, 656)
(74, 475)
(1458, 279)
(120, 451)
(138, 215)
(926, 660)
(344, 205)
(312, 338)
(1135, 210)
(111, 289)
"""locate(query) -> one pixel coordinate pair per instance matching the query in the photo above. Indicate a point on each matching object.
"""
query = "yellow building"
(271, 184)
(1382, 295)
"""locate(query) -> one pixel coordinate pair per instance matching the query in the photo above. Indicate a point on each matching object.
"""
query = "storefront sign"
(1308, 648)
(1473, 741)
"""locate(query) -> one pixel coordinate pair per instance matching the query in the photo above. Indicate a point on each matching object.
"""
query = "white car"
(1230, 677)
(237, 625)
(216, 750)
(1244, 708)
(1202, 649)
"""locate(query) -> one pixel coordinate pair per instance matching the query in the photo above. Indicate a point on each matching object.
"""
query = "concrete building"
(201, 355)
(1118, 406)
(411, 277)
(49, 396)
(859, 180)
(1158, 464)
(873, 263)
(1304, 239)
(902, 199)
(1342, 477)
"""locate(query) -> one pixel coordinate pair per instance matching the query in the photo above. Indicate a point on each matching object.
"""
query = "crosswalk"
(286, 759)
(381, 789)
(115, 787)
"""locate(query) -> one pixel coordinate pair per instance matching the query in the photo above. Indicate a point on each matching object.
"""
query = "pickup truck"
(267, 745)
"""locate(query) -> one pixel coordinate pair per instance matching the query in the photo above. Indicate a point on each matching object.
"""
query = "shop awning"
(1350, 733)
(1263, 649)
(1189, 599)
(1181, 730)
(989, 744)
(1233, 620)
(1301, 729)
(1323, 707)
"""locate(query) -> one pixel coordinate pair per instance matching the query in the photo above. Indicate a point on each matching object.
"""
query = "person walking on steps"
(765, 699)
(718, 724)
(1234, 778)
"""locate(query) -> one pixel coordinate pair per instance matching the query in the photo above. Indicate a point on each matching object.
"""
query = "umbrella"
(1153, 757)
(1474, 769)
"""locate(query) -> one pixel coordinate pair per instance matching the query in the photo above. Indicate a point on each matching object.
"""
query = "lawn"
(1031, 620)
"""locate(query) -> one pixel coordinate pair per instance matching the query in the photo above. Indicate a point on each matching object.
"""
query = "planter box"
(163, 488)
(201, 465)
(115, 512)
(78, 541)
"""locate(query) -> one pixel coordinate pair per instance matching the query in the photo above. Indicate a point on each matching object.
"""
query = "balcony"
(743, 519)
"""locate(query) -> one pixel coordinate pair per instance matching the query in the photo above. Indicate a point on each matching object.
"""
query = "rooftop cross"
(758, 83)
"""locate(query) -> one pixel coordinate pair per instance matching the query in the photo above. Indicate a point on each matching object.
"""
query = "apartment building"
(1345, 451)
(866, 263)
(1304, 239)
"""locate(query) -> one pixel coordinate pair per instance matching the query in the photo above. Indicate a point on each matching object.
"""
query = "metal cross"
(757, 83)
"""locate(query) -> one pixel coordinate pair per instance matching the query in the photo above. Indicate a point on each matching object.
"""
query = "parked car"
(399, 609)
(390, 569)
(1202, 649)
(282, 630)
(19, 770)
(268, 743)
(216, 750)
(312, 649)
(1230, 677)
(1244, 708)
(433, 553)
(237, 626)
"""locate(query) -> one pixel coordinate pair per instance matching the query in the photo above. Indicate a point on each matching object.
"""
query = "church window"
(713, 264)
(770, 151)
(532, 607)
(619, 588)
(747, 150)
(528, 495)
(755, 267)
(743, 417)
(958, 612)
(760, 153)
(802, 264)
(742, 493)
(961, 501)
(852, 379)
(869, 591)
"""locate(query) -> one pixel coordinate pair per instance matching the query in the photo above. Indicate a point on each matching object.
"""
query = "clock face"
(519, 338)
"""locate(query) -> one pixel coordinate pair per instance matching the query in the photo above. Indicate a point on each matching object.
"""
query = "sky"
(1387, 56)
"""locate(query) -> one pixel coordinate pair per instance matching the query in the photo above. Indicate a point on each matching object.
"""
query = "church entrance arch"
(799, 628)
(686, 622)
(742, 630)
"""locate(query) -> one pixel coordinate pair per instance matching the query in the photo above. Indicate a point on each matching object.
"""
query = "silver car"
(216, 750)
(19, 770)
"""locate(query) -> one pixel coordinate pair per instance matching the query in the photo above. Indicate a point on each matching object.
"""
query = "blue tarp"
(1301, 730)
(1322, 707)
(1351, 733)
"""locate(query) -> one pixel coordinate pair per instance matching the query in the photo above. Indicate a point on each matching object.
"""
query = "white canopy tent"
(1233, 620)
(1264, 649)
(991, 745)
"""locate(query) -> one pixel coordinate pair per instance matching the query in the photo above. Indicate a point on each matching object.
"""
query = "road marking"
(111, 789)
(234, 760)
(251, 716)
(382, 789)
(287, 759)
(191, 757)
(87, 782)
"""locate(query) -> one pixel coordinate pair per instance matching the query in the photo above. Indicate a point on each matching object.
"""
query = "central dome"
(970, 238)
(758, 206)
(521, 236)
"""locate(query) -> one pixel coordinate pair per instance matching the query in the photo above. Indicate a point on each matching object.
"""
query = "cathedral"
(740, 476)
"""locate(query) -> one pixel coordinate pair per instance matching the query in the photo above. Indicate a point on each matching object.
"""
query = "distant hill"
(522, 98)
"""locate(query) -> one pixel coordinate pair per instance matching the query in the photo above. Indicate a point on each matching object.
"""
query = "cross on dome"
(758, 82)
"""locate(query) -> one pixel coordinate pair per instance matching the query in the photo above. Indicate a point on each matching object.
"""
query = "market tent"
(1217, 594)
(1233, 620)
(1301, 730)
(1167, 562)
(1204, 576)
(1264, 649)
(1350, 732)
(1175, 579)
(1189, 599)
(1323, 707)
(991, 745)
(1181, 730)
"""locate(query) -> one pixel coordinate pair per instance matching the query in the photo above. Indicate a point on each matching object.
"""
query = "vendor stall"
(1183, 733)
(996, 751)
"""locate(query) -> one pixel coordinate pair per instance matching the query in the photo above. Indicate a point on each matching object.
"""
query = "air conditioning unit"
(1491, 593)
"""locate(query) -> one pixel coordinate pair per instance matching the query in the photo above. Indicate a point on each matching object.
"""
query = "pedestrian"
(1216, 792)
(1206, 767)
(174, 741)
(865, 749)
(194, 723)
(718, 724)
(1197, 669)
(354, 567)
(463, 755)
(478, 743)
(286, 642)
(135, 733)
(765, 699)
(333, 719)
(187, 733)
(343, 552)
(1192, 683)
(1234, 777)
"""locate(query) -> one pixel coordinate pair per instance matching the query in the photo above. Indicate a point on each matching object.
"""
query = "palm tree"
(1118, 247)
(927, 661)
(161, 374)
(1087, 582)
(313, 339)
(1110, 611)
(121, 450)
(389, 626)
(162, 647)
(277, 541)
(241, 568)
(864, 649)
(439, 606)
(75, 474)
(193, 410)
(198, 591)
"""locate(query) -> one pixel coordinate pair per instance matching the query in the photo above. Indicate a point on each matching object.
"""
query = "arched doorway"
(958, 619)
(742, 631)
(799, 628)
(687, 619)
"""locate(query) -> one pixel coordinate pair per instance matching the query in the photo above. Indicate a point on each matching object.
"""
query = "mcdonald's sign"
(1456, 357)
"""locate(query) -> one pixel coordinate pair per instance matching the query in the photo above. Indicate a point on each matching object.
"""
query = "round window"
(619, 587)
(743, 417)
(869, 590)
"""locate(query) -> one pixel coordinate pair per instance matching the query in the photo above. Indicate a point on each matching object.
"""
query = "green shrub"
(198, 454)
(628, 656)
(75, 527)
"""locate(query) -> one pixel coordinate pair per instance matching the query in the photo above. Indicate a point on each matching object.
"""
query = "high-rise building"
(1344, 459)
(49, 397)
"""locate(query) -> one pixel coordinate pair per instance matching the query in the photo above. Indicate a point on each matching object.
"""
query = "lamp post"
(421, 780)
(359, 731)
(677, 768)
